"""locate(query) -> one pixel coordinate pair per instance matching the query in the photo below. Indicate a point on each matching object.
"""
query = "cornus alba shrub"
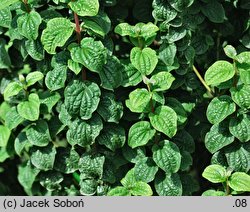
(124, 97)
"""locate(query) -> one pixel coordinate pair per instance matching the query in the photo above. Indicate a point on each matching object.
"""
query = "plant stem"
(151, 100)
(235, 80)
(78, 29)
(26, 6)
(202, 80)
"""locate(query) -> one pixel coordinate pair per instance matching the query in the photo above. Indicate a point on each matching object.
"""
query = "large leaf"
(168, 185)
(215, 174)
(48, 100)
(82, 98)
(214, 11)
(241, 96)
(35, 49)
(164, 119)
(5, 17)
(140, 134)
(162, 81)
(167, 53)
(131, 76)
(167, 156)
(56, 34)
(240, 127)
(6, 3)
(92, 54)
(220, 71)
(56, 78)
(28, 24)
(218, 137)
(85, 7)
(243, 65)
(138, 101)
(84, 133)
(13, 119)
(144, 60)
(180, 5)
(163, 11)
(4, 135)
(12, 89)
(30, 109)
(34, 77)
(21, 142)
(219, 108)
(240, 181)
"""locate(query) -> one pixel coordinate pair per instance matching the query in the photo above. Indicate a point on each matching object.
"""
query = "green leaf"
(12, 89)
(74, 66)
(176, 34)
(215, 174)
(56, 78)
(129, 180)
(138, 101)
(168, 185)
(88, 187)
(13, 119)
(38, 133)
(186, 160)
(220, 108)
(218, 137)
(241, 96)
(84, 133)
(141, 189)
(163, 11)
(5, 17)
(28, 25)
(220, 71)
(99, 24)
(92, 54)
(56, 34)
(33, 77)
(147, 30)
(180, 5)
(6, 3)
(85, 7)
(51, 180)
(35, 49)
(125, 29)
(4, 135)
(21, 142)
(131, 76)
(119, 191)
(30, 109)
(43, 158)
(167, 156)
(82, 98)
(214, 11)
(110, 109)
(240, 181)
(4, 56)
(140, 134)
(145, 170)
(144, 60)
(212, 192)
(164, 119)
(48, 100)
(240, 127)
(243, 66)
(133, 155)
(184, 141)
(162, 81)
(112, 136)
(230, 51)
(167, 53)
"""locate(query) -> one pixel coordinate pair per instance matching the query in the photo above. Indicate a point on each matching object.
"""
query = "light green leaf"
(212, 192)
(4, 135)
(30, 109)
(38, 133)
(220, 71)
(129, 180)
(240, 127)
(243, 66)
(21, 142)
(119, 191)
(138, 101)
(230, 51)
(6, 3)
(141, 189)
(214, 11)
(74, 66)
(13, 119)
(33, 77)
(218, 137)
(82, 98)
(125, 29)
(92, 54)
(167, 156)
(48, 100)
(240, 181)
(5, 17)
(112, 136)
(180, 5)
(12, 89)
(162, 81)
(168, 185)
(131, 76)
(43, 158)
(56, 34)
(35, 49)
(241, 96)
(56, 78)
(220, 108)
(164, 119)
(84, 133)
(215, 173)
(148, 30)
(28, 25)
(140, 134)
(85, 7)
(144, 60)
(145, 170)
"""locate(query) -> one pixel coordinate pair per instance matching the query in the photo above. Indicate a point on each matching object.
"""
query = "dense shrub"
(124, 97)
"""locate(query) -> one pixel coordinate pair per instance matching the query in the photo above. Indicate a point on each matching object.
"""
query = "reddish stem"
(152, 106)
(78, 28)
(26, 6)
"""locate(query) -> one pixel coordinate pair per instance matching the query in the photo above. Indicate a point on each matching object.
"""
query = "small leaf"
(48, 100)
(212, 192)
(162, 81)
(74, 66)
(119, 191)
(167, 53)
(180, 5)
(220, 108)
(220, 71)
(88, 187)
(214, 11)
(125, 29)
(243, 66)
(215, 174)
(21, 142)
(131, 76)
(28, 24)
(141, 189)
(56, 34)
(35, 49)
(133, 155)
(51, 180)
(140, 134)
(13, 119)
(164, 119)
(85, 7)
(4, 135)
(230, 51)
(56, 78)
(33, 77)
(5, 17)
(30, 109)
(167, 156)
(12, 89)
(241, 96)
(144, 60)
(138, 101)
(240, 181)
